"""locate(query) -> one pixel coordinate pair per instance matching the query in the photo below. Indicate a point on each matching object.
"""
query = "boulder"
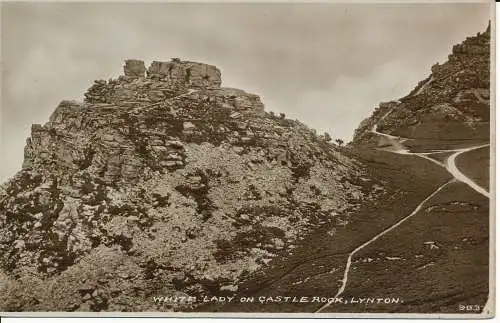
(134, 68)
(191, 74)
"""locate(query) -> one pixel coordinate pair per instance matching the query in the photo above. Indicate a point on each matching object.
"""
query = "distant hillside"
(452, 103)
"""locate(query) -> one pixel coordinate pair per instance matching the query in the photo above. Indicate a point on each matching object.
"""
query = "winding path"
(449, 165)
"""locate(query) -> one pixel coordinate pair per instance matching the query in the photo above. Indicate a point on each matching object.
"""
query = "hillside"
(163, 187)
(162, 182)
(451, 104)
(423, 245)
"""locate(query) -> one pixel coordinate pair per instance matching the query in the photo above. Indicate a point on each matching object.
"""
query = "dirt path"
(349, 259)
(449, 165)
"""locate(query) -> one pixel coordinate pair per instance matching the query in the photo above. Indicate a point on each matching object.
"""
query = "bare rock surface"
(162, 182)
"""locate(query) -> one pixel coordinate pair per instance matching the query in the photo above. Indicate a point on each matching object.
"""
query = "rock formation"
(452, 103)
(425, 240)
(163, 182)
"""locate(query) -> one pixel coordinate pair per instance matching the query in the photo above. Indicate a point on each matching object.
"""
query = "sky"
(326, 64)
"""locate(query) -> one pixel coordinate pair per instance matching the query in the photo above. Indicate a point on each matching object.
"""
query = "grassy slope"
(424, 145)
(436, 128)
(430, 280)
(307, 271)
(427, 280)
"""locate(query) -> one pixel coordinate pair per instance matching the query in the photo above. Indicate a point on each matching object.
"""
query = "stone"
(188, 125)
(235, 115)
(19, 244)
(134, 68)
(123, 275)
(174, 156)
(175, 144)
(266, 260)
(170, 163)
(229, 288)
(87, 288)
(278, 243)
(191, 74)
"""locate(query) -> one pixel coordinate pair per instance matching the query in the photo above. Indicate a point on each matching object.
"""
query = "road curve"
(452, 168)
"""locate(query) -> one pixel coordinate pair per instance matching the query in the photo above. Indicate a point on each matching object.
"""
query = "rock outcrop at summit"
(193, 74)
(452, 103)
(134, 68)
(164, 80)
(163, 182)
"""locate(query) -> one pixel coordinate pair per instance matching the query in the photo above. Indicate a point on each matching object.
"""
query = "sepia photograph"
(247, 159)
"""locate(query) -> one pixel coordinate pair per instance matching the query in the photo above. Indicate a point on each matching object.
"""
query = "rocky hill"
(452, 103)
(162, 182)
(423, 245)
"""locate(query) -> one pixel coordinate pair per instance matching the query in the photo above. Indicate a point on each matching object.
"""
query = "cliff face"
(452, 103)
(163, 182)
